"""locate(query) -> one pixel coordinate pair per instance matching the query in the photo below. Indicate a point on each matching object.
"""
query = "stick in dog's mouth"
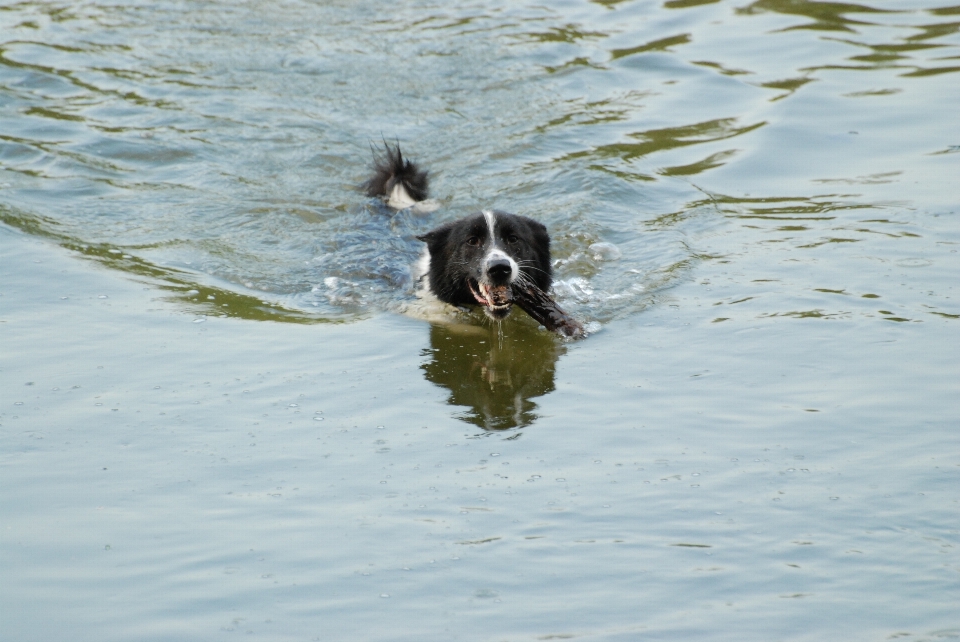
(498, 299)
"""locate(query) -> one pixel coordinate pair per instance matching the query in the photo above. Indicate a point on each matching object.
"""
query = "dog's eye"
(512, 238)
(473, 241)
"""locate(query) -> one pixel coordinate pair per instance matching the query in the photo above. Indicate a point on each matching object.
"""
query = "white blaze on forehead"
(491, 221)
(496, 253)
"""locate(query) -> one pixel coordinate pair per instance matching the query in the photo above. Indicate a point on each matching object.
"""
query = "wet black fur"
(390, 168)
(455, 261)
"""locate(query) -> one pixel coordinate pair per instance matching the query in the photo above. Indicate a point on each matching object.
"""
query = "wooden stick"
(545, 310)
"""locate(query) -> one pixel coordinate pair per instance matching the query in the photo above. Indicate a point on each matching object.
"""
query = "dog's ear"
(539, 233)
(435, 237)
(541, 244)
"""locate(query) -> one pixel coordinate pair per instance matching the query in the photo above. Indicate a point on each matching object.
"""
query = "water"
(755, 203)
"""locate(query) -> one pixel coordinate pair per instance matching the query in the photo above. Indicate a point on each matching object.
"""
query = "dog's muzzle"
(499, 271)
(497, 300)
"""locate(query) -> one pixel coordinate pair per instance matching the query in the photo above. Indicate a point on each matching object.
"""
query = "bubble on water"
(318, 418)
(384, 595)
(98, 404)
(834, 498)
(561, 479)
(114, 251)
(17, 403)
(103, 296)
(494, 454)
(695, 474)
(192, 292)
(200, 320)
(293, 405)
(605, 251)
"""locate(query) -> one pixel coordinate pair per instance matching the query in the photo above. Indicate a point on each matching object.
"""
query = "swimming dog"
(484, 259)
(492, 258)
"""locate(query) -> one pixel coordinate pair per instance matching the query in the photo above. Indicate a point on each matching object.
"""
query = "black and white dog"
(475, 260)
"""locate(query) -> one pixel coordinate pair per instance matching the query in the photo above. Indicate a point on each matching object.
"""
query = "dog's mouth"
(496, 299)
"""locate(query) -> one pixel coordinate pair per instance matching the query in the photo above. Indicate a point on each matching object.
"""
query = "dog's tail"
(401, 183)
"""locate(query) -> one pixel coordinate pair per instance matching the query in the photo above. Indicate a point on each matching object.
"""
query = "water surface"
(219, 418)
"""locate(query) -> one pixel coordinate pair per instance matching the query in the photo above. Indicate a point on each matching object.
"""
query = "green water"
(221, 416)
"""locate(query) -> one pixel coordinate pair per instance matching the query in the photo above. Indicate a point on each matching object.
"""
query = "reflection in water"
(494, 377)
(652, 141)
(181, 285)
(826, 16)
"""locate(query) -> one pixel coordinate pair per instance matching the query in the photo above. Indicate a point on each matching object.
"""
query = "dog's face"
(476, 260)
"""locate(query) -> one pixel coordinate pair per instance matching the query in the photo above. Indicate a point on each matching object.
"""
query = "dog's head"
(477, 259)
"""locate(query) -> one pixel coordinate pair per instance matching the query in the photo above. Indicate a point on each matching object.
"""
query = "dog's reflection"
(495, 377)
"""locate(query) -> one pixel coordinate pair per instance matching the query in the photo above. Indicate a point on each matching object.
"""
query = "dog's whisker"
(529, 265)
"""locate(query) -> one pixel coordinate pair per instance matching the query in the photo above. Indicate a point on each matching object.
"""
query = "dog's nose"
(499, 270)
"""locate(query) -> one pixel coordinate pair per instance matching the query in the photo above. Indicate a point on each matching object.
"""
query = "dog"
(476, 260)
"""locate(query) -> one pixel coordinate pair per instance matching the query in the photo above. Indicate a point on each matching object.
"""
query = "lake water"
(221, 420)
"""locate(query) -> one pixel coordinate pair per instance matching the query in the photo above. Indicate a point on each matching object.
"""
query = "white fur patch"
(426, 306)
(491, 222)
(420, 271)
(399, 199)
(495, 252)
